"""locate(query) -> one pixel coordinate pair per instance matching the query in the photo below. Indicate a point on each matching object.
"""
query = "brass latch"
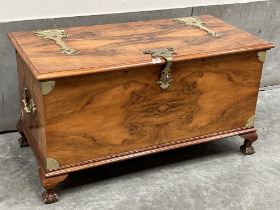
(197, 22)
(57, 35)
(165, 74)
(29, 105)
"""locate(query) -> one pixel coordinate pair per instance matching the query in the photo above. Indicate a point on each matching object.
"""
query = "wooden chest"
(99, 94)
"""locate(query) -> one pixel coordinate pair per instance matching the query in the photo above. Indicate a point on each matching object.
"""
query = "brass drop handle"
(165, 74)
(29, 104)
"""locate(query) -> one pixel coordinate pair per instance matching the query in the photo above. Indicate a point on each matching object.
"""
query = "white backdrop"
(12, 10)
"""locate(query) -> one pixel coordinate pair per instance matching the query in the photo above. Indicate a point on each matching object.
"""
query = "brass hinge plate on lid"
(197, 22)
(165, 74)
(57, 35)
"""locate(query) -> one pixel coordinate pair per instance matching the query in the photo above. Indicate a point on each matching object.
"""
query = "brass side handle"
(165, 74)
(29, 105)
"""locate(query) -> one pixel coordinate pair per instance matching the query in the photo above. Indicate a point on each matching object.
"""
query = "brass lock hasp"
(57, 35)
(29, 105)
(165, 74)
(197, 22)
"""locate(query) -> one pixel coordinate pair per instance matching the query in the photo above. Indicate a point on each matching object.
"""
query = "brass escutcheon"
(250, 122)
(165, 74)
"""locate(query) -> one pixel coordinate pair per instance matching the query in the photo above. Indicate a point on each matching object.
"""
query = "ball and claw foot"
(49, 196)
(49, 183)
(23, 142)
(247, 150)
(247, 147)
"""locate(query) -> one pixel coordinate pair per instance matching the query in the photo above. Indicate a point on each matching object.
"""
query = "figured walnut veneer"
(115, 112)
(113, 47)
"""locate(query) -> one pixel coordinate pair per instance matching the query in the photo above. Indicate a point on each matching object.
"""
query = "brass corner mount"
(261, 56)
(47, 87)
(51, 164)
(250, 122)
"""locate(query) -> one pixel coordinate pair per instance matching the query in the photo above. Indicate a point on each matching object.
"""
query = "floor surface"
(213, 175)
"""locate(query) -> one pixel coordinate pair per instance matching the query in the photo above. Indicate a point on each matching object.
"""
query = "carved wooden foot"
(49, 183)
(250, 138)
(49, 196)
(22, 140)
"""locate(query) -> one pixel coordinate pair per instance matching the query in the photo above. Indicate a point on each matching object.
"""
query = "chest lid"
(89, 49)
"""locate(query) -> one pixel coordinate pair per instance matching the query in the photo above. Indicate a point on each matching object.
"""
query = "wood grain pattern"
(146, 151)
(120, 46)
(115, 112)
(33, 127)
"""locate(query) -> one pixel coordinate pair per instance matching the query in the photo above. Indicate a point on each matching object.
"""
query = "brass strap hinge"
(197, 22)
(165, 74)
(57, 35)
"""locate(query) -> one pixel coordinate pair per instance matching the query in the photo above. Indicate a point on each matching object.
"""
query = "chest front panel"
(89, 117)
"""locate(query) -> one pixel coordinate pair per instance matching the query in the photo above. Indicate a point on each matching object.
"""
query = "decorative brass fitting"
(29, 105)
(47, 87)
(51, 164)
(57, 35)
(261, 56)
(197, 22)
(165, 74)
(250, 122)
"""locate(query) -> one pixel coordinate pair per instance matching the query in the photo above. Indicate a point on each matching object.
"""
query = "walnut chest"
(94, 95)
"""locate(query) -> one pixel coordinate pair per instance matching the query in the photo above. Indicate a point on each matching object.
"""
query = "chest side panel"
(33, 125)
(89, 117)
